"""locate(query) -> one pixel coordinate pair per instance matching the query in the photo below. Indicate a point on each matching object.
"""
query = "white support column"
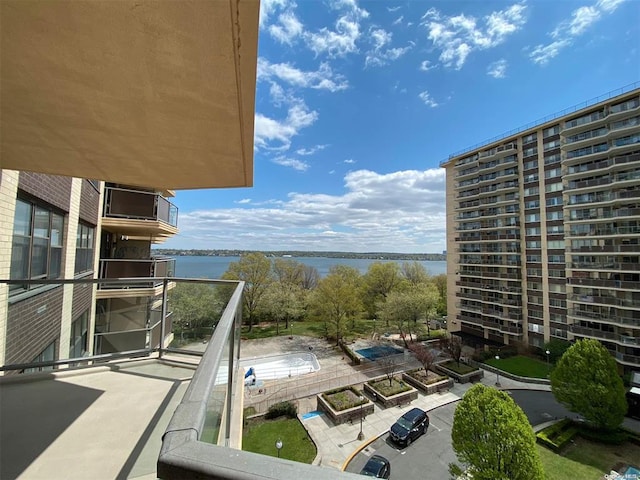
(8, 196)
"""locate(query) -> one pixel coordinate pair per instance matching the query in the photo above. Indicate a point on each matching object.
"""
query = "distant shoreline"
(294, 253)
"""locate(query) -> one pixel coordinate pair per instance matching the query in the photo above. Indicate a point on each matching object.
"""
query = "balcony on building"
(138, 214)
(149, 272)
(173, 411)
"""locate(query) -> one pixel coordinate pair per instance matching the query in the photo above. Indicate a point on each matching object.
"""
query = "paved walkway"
(338, 443)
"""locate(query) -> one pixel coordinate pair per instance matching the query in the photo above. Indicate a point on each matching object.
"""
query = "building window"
(78, 341)
(47, 355)
(84, 248)
(37, 243)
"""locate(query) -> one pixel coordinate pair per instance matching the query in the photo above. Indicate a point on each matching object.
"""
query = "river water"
(214, 267)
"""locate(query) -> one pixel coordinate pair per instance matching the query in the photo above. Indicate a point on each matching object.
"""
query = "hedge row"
(557, 435)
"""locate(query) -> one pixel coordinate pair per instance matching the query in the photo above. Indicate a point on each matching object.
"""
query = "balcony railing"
(152, 270)
(140, 205)
(196, 443)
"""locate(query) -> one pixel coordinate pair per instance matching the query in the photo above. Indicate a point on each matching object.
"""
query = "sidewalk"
(337, 444)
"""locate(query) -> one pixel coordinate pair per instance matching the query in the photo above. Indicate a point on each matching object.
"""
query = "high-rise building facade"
(543, 233)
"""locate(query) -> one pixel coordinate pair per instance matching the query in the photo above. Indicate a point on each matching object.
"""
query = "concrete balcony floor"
(101, 422)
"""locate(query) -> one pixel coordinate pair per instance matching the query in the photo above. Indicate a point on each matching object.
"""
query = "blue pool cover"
(379, 351)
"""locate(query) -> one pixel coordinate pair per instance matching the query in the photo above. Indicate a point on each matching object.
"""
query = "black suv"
(409, 426)
(378, 467)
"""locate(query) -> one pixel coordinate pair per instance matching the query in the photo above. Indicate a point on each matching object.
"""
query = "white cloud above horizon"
(404, 208)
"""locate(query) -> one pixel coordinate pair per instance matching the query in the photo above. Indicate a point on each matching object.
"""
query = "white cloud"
(426, 98)
(291, 162)
(457, 36)
(402, 211)
(288, 29)
(268, 7)
(393, 9)
(310, 151)
(342, 40)
(497, 69)
(426, 65)
(244, 201)
(566, 31)
(269, 130)
(350, 161)
(379, 55)
(398, 21)
(322, 79)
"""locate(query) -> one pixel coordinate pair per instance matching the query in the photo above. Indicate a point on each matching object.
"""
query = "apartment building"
(543, 232)
(70, 228)
(48, 226)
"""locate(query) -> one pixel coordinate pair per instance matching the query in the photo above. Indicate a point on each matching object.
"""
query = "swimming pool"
(281, 366)
(378, 351)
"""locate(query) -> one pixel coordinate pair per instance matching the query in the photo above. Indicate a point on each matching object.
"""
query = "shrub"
(557, 435)
(344, 398)
(286, 409)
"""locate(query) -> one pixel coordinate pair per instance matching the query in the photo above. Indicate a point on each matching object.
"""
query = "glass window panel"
(41, 223)
(55, 262)
(39, 257)
(57, 225)
(22, 219)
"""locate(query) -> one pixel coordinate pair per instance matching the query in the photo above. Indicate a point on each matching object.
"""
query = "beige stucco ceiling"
(149, 93)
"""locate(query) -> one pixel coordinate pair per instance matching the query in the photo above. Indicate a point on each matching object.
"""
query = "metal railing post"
(165, 283)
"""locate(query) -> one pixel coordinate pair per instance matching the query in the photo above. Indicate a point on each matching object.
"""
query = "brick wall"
(81, 299)
(89, 203)
(56, 190)
(32, 324)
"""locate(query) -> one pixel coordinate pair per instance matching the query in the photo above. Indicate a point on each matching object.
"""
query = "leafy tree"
(255, 270)
(194, 306)
(287, 271)
(310, 277)
(414, 272)
(586, 381)
(424, 355)
(283, 302)
(492, 437)
(403, 309)
(337, 300)
(440, 281)
(380, 280)
(556, 348)
(428, 298)
(453, 346)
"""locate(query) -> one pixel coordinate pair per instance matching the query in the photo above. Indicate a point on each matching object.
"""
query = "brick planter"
(466, 378)
(402, 398)
(430, 387)
(344, 416)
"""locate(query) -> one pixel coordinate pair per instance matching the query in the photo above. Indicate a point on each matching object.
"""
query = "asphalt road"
(429, 456)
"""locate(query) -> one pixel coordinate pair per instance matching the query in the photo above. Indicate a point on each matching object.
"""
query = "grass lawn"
(586, 460)
(521, 366)
(260, 436)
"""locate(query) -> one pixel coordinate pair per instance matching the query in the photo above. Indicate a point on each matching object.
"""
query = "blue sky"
(357, 104)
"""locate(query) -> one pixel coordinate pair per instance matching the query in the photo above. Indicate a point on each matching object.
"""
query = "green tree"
(586, 381)
(414, 272)
(336, 300)
(492, 437)
(380, 280)
(194, 306)
(440, 281)
(255, 270)
(283, 303)
(402, 309)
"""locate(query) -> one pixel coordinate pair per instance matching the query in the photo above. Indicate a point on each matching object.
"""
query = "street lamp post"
(291, 329)
(548, 366)
(278, 446)
(497, 374)
(361, 435)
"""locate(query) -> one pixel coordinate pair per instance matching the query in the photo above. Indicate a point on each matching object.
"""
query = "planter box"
(428, 388)
(402, 398)
(466, 378)
(344, 416)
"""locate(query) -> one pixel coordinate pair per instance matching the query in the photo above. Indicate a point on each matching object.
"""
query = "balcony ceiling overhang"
(146, 93)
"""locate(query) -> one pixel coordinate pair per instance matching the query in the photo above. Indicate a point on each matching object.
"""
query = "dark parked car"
(409, 426)
(377, 466)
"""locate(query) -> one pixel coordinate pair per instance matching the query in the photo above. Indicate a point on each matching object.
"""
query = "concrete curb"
(359, 449)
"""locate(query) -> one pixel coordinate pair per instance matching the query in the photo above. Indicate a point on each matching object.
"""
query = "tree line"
(401, 297)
